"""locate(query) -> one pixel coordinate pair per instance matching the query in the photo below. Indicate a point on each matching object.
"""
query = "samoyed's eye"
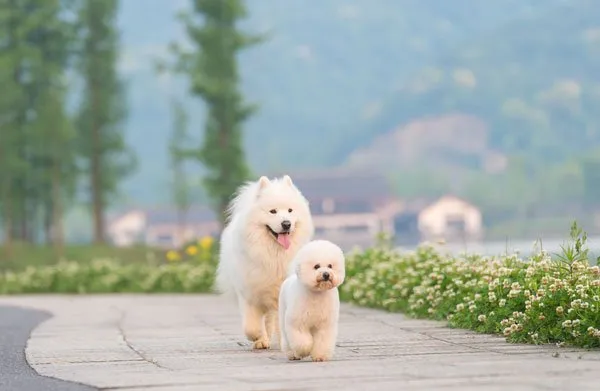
(317, 266)
(329, 266)
(290, 210)
(273, 211)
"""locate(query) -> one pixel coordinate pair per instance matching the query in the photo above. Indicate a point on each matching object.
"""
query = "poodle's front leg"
(324, 342)
(300, 342)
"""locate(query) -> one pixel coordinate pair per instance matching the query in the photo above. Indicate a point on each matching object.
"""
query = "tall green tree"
(58, 168)
(212, 70)
(20, 61)
(52, 142)
(178, 142)
(10, 101)
(36, 47)
(106, 158)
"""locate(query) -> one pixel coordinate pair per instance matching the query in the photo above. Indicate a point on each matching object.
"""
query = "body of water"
(524, 247)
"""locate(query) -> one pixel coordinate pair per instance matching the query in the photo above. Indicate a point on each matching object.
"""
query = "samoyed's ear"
(263, 182)
(287, 180)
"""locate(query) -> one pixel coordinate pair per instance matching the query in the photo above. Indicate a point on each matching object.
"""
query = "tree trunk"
(8, 226)
(57, 231)
(47, 220)
(96, 175)
(23, 227)
(181, 224)
(225, 173)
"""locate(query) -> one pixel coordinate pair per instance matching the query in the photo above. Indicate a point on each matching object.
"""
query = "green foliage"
(178, 143)
(101, 143)
(109, 276)
(213, 73)
(36, 148)
(39, 255)
(101, 269)
(534, 300)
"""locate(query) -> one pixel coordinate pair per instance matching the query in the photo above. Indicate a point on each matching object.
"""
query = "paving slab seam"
(132, 348)
(474, 348)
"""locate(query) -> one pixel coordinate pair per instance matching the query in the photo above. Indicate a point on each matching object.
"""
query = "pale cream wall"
(125, 229)
(432, 220)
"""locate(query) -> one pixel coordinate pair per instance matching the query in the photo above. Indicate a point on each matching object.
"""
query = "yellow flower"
(206, 242)
(192, 250)
(173, 256)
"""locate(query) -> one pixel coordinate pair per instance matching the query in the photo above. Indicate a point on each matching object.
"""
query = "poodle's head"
(320, 265)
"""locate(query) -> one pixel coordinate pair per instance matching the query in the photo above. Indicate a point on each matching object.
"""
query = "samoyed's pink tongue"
(284, 240)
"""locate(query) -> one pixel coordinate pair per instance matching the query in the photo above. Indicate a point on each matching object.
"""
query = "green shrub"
(536, 300)
(109, 276)
(189, 269)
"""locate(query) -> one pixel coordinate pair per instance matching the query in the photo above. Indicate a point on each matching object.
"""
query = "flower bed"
(535, 300)
(188, 270)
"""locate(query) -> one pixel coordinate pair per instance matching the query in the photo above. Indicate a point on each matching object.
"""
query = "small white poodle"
(309, 302)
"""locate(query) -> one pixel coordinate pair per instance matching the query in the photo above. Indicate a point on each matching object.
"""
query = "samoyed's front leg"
(272, 325)
(254, 327)
(324, 342)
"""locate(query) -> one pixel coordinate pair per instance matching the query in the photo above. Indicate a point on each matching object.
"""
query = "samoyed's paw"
(261, 344)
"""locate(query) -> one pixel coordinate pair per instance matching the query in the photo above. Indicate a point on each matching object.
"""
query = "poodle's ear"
(287, 180)
(263, 182)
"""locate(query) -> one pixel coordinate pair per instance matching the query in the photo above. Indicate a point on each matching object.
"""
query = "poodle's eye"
(290, 210)
(317, 266)
(329, 266)
(273, 211)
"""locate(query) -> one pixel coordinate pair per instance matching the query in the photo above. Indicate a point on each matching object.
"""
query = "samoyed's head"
(280, 212)
(320, 265)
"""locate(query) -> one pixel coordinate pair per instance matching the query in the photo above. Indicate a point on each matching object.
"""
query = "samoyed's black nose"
(326, 276)
(286, 225)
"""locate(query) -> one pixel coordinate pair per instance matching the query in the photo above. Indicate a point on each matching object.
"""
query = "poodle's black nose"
(286, 225)
(326, 276)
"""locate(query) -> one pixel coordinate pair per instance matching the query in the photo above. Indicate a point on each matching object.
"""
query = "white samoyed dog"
(309, 302)
(268, 222)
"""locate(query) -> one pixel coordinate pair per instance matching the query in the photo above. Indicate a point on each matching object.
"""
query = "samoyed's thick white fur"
(268, 222)
(309, 302)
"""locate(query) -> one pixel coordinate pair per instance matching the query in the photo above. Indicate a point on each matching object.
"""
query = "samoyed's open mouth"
(282, 238)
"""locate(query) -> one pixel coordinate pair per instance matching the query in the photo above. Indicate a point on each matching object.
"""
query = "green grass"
(100, 269)
(24, 255)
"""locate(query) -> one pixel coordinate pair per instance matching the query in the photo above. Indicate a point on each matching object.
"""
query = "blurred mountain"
(533, 83)
(334, 81)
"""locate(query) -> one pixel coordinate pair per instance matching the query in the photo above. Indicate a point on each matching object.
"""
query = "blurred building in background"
(350, 209)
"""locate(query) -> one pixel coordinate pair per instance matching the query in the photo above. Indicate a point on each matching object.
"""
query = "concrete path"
(15, 374)
(194, 342)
